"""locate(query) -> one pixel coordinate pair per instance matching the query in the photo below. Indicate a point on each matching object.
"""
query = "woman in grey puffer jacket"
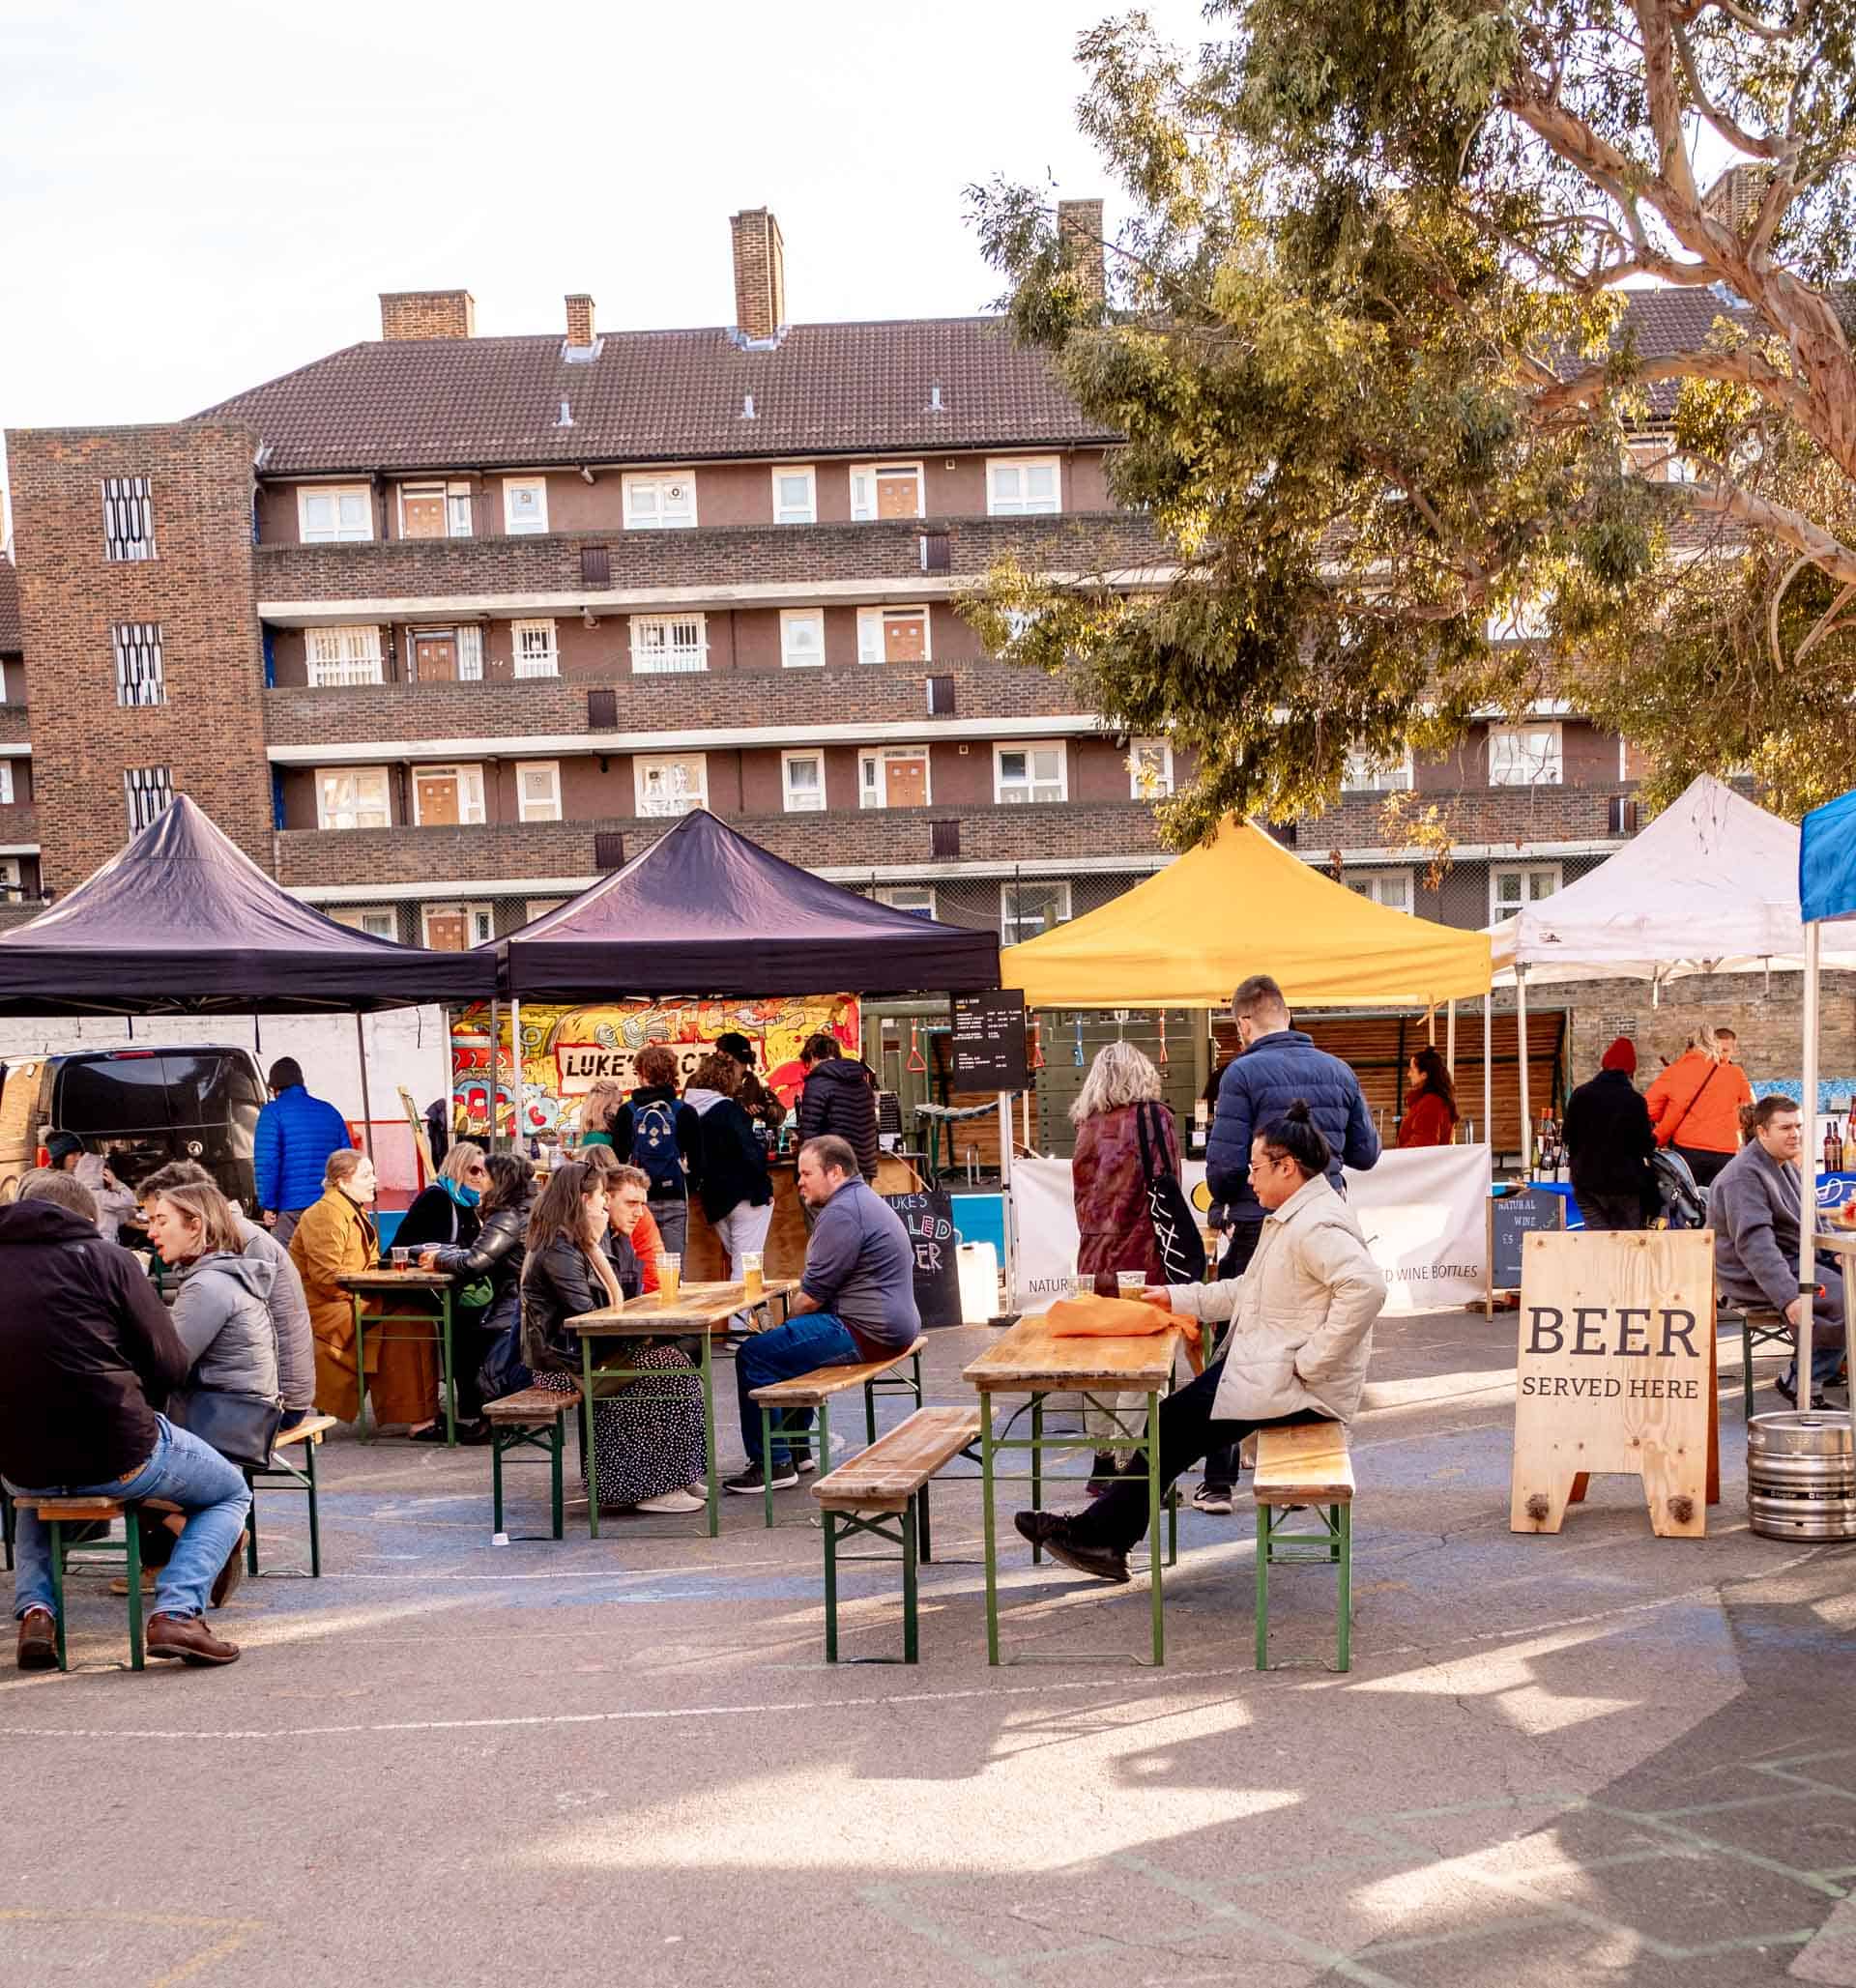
(222, 1309)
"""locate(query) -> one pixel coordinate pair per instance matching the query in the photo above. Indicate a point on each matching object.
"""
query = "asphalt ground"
(1598, 1756)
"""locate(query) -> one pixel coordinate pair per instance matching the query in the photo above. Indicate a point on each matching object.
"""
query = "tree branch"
(1740, 139)
(1825, 624)
(1653, 18)
(1743, 367)
(1779, 521)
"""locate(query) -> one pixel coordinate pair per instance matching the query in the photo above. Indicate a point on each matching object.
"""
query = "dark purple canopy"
(183, 922)
(706, 911)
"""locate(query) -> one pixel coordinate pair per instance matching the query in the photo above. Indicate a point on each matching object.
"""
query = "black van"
(141, 1108)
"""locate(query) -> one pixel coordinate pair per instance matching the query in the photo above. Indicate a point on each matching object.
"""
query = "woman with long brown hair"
(1430, 1117)
(648, 1434)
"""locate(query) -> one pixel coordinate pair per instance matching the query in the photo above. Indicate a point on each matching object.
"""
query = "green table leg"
(1157, 1601)
(591, 1460)
(712, 1463)
(911, 1643)
(55, 1530)
(360, 1376)
(869, 1411)
(132, 1567)
(831, 1587)
(251, 1530)
(822, 1431)
(315, 1516)
(766, 1463)
(1038, 1468)
(1264, 1514)
(1341, 1519)
(448, 1381)
(496, 1481)
(992, 1541)
(1746, 1370)
(557, 1448)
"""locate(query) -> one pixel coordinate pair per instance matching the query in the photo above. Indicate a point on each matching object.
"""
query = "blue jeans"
(813, 1340)
(210, 1491)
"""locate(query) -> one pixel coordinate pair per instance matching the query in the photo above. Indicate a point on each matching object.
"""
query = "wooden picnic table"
(698, 1310)
(400, 1283)
(1030, 1359)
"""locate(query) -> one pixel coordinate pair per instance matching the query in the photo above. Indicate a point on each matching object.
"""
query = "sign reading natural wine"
(989, 1041)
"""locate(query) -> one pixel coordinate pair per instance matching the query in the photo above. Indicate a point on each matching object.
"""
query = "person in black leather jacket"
(496, 1257)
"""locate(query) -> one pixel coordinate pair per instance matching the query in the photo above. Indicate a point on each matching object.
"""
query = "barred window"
(139, 678)
(128, 518)
(150, 789)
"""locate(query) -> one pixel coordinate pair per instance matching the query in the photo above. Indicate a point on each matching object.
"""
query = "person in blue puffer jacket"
(1276, 1066)
(295, 1136)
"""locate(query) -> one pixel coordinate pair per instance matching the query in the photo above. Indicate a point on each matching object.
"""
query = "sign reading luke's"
(1614, 1372)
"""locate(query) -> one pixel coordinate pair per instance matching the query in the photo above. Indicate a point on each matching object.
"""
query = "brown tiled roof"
(660, 396)
(12, 640)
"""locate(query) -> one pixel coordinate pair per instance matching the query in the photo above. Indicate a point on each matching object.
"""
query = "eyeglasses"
(477, 1173)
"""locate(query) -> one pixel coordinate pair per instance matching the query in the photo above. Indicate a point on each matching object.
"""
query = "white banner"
(1423, 1214)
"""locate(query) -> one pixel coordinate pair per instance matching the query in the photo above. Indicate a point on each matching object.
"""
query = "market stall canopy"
(1238, 905)
(181, 922)
(704, 911)
(1710, 886)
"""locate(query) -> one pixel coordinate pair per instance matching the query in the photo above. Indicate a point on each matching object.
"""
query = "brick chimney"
(1734, 197)
(760, 274)
(579, 320)
(1078, 234)
(427, 314)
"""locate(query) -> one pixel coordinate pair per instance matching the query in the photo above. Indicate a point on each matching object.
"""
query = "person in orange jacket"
(1430, 1104)
(1696, 1102)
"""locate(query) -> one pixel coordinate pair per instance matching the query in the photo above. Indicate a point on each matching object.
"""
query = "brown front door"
(896, 497)
(424, 514)
(447, 931)
(435, 658)
(437, 800)
(906, 782)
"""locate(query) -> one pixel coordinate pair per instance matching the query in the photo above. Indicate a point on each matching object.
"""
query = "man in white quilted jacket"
(1301, 1333)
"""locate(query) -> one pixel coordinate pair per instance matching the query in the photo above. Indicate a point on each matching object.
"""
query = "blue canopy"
(1827, 860)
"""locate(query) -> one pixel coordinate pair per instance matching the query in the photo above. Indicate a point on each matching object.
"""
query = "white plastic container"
(978, 1282)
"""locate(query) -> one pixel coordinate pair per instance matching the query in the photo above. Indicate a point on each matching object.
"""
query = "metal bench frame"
(885, 1383)
(1331, 1545)
(282, 1474)
(125, 1553)
(550, 1437)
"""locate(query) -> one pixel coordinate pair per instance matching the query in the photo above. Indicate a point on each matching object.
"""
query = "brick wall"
(1769, 1023)
(1491, 814)
(210, 732)
(879, 837)
(14, 728)
(731, 556)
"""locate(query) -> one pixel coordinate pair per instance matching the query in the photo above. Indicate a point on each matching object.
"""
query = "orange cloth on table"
(1115, 1318)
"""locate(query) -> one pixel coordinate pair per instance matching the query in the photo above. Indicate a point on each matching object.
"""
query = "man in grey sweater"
(1754, 1207)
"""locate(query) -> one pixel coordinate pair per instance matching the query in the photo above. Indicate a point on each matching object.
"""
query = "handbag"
(241, 1427)
(1182, 1249)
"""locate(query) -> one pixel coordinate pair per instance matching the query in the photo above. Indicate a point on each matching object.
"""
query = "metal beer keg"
(1801, 1476)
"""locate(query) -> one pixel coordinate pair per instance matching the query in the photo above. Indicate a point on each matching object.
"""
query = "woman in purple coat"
(1119, 1098)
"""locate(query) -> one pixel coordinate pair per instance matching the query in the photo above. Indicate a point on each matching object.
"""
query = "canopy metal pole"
(1006, 1194)
(518, 1095)
(1450, 1037)
(1488, 1075)
(496, 1061)
(1430, 1024)
(1808, 1174)
(1526, 1102)
(366, 1106)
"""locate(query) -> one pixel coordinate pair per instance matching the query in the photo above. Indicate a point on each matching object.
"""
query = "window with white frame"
(801, 638)
(524, 504)
(663, 500)
(150, 791)
(139, 675)
(1149, 769)
(128, 518)
(885, 490)
(334, 513)
(795, 496)
(893, 776)
(918, 898)
(669, 645)
(448, 797)
(456, 928)
(534, 645)
(1021, 486)
(1030, 773)
(377, 921)
(537, 789)
(670, 783)
(539, 907)
(1366, 774)
(352, 797)
(1027, 908)
(893, 635)
(470, 653)
(1525, 756)
(6, 782)
(802, 779)
(342, 656)
(1511, 887)
(435, 511)
(1395, 889)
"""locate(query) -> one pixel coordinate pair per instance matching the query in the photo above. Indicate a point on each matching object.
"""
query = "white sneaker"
(670, 1501)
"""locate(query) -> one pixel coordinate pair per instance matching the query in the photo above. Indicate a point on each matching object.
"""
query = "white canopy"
(1710, 886)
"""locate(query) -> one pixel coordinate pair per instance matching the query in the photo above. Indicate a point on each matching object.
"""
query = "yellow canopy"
(1239, 904)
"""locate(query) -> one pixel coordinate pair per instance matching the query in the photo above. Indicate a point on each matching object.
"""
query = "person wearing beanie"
(65, 1153)
(759, 1104)
(296, 1135)
(1609, 1143)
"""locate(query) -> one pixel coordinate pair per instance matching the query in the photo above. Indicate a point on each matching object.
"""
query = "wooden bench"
(55, 1514)
(805, 1392)
(533, 1419)
(884, 1485)
(1308, 1465)
(284, 1473)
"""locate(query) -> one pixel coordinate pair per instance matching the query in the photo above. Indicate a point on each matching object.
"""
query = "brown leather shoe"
(229, 1576)
(188, 1637)
(37, 1640)
(1048, 1529)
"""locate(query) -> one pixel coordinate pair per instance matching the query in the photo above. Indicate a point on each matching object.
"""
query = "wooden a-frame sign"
(1615, 1371)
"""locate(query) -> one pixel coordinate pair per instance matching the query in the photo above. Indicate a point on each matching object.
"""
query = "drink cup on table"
(670, 1275)
(1130, 1283)
(1082, 1285)
(402, 1258)
(753, 1277)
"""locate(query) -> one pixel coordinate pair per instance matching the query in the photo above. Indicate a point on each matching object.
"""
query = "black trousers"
(1612, 1211)
(1704, 1165)
(1187, 1432)
(1221, 1466)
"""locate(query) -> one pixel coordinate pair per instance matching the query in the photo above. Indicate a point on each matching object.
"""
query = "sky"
(197, 198)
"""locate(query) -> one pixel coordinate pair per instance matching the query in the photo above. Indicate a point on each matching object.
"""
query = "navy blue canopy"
(181, 921)
(704, 911)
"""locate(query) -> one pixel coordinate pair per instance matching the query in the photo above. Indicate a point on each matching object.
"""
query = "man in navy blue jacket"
(1276, 1065)
(296, 1135)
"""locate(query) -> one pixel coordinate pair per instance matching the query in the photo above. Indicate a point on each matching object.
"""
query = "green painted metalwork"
(448, 1381)
(906, 1530)
(1331, 1546)
(551, 1440)
(125, 1553)
(281, 1475)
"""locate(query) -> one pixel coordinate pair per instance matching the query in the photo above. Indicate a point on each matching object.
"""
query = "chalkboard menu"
(989, 1041)
(928, 1219)
(1512, 1217)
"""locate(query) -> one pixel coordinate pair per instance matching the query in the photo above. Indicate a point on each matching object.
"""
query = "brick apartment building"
(442, 627)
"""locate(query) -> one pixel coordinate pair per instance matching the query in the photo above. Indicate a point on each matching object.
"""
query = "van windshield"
(112, 1094)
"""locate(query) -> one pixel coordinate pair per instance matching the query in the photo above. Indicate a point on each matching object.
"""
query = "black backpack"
(653, 1147)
